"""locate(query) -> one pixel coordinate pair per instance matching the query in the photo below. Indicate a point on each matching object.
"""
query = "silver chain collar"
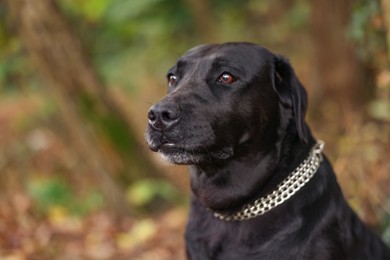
(289, 186)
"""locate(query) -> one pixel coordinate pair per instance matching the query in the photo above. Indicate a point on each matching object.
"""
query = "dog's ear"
(291, 94)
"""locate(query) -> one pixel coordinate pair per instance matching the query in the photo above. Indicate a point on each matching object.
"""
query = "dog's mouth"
(177, 154)
(162, 146)
(168, 148)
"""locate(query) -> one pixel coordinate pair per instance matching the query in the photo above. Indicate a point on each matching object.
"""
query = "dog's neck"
(227, 186)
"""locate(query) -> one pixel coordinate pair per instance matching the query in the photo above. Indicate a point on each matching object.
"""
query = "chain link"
(289, 186)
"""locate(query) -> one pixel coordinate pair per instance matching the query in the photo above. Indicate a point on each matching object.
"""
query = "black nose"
(163, 115)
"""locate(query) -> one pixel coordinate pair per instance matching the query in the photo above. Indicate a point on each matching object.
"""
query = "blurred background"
(78, 76)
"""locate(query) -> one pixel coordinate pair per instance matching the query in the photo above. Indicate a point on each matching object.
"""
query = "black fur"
(241, 138)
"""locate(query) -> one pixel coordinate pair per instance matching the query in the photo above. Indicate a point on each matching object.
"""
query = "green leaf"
(49, 192)
(380, 109)
(143, 192)
(95, 9)
(125, 10)
(52, 193)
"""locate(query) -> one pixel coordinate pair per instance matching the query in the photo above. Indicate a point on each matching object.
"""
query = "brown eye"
(226, 78)
(172, 79)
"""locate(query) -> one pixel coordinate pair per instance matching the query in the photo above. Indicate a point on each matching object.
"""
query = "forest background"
(78, 76)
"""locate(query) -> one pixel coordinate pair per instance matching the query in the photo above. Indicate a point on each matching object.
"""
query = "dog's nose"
(163, 115)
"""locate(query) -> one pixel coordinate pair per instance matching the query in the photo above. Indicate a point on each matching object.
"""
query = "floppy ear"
(291, 94)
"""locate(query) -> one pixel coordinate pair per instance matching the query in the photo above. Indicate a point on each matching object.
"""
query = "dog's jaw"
(176, 155)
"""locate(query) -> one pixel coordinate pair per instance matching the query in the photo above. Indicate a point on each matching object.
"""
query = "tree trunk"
(340, 75)
(386, 18)
(98, 130)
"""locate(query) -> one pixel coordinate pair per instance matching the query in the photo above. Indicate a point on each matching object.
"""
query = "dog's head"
(225, 101)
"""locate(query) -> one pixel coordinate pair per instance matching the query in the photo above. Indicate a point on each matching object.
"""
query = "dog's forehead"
(234, 53)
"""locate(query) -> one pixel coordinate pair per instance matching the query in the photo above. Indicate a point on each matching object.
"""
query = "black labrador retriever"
(261, 187)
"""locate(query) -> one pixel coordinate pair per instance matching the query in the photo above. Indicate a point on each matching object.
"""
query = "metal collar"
(287, 188)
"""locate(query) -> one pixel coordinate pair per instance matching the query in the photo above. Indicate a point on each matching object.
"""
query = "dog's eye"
(226, 78)
(172, 79)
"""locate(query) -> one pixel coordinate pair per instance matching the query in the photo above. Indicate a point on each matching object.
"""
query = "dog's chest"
(209, 238)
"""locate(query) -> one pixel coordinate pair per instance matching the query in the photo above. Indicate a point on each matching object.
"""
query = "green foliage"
(48, 193)
(366, 30)
(112, 126)
(123, 11)
(380, 109)
(151, 194)
(15, 71)
(92, 11)
(123, 31)
(298, 16)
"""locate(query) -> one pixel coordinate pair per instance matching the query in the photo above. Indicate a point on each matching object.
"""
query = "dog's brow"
(181, 63)
(223, 62)
(220, 61)
(179, 67)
